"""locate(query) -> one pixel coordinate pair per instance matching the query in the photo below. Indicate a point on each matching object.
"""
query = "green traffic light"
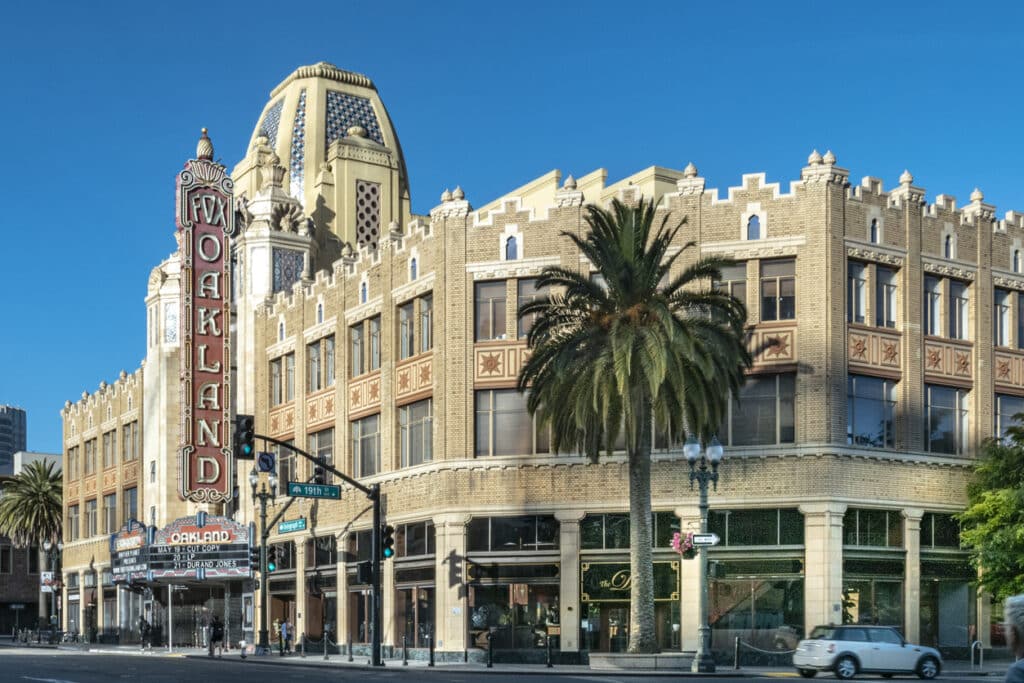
(271, 566)
(389, 552)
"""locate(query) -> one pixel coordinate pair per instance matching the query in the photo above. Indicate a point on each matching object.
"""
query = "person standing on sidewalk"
(216, 636)
(1013, 609)
(144, 629)
(285, 633)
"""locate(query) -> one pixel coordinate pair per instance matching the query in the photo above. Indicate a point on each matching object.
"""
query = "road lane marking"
(47, 680)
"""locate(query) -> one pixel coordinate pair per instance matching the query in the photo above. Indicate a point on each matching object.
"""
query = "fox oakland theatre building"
(305, 291)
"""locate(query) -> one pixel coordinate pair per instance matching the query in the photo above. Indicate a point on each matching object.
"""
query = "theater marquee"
(206, 217)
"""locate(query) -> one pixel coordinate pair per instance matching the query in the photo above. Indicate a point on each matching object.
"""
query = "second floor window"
(778, 290)
(416, 432)
(878, 528)
(528, 292)
(1001, 318)
(110, 513)
(946, 423)
(130, 503)
(366, 446)
(321, 445)
(489, 310)
(73, 521)
(90, 518)
(320, 364)
(734, 281)
(764, 412)
(933, 306)
(505, 427)
(1007, 408)
(406, 331)
(285, 463)
(885, 297)
(958, 307)
(282, 379)
(108, 450)
(130, 440)
(90, 456)
(72, 462)
(856, 293)
(870, 411)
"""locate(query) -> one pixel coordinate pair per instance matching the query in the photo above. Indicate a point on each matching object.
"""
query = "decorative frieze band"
(948, 360)
(779, 345)
(866, 254)
(364, 395)
(498, 363)
(414, 376)
(282, 419)
(875, 349)
(320, 408)
(949, 270)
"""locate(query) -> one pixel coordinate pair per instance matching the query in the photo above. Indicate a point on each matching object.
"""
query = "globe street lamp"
(703, 470)
(263, 495)
(53, 551)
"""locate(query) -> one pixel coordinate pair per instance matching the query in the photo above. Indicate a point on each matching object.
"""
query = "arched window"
(319, 313)
(947, 247)
(363, 294)
(1018, 264)
(131, 402)
(412, 269)
(874, 231)
(511, 249)
(754, 228)
(280, 332)
(110, 412)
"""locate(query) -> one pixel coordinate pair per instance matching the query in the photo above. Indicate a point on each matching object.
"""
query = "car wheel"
(808, 673)
(846, 668)
(928, 668)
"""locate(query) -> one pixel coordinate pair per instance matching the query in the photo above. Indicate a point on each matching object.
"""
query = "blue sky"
(103, 103)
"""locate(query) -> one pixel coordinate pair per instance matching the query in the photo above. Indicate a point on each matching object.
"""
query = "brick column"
(823, 565)
(99, 603)
(689, 585)
(450, 610)
(570, 612)
(342, 628)
(912, 576)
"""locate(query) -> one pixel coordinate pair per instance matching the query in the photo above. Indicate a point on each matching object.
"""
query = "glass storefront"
(517, 614)
(948, 605)
(759, 601)
(873, 591)
(605, 604)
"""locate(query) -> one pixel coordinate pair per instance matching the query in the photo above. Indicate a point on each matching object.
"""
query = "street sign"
(705, 539)
(299, 490)
(292, 525)
(266, 461)
(17, 605)
(46, 582)
(178, 587)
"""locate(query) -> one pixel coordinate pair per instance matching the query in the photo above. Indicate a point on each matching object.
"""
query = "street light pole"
(263, 495)
(703, 474)
(53, 551)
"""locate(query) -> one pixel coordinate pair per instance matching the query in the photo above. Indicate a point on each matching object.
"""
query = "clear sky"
(102, 103)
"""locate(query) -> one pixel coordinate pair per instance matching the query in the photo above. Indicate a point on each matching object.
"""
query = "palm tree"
(611, 356)
(31, 506)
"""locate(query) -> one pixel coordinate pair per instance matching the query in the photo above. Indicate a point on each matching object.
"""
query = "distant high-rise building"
(12, 436)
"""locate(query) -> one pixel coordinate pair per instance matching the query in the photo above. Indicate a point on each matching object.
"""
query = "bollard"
(350, 649)
(405, 651)
(326, 644)
(303, 645)
(430, 644)
(549, 651)
(736, 653)
(490, 650)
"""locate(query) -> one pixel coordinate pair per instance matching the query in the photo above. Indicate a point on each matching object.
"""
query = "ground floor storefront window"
(414, 602)
(359, 613)
(948, 606)
(761, 602)
(74, 612)
(605, 604)
(130, 609)
(873, 591)
(516, 614)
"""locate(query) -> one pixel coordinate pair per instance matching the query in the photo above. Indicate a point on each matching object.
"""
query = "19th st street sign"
(205, 214)
(299, 490)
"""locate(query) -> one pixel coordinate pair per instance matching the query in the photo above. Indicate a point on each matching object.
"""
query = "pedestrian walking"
(286, 632)
(1013, 609)
(144, 632)
(216, 636)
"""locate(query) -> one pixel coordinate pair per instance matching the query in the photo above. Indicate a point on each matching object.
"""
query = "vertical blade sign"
(206, 218)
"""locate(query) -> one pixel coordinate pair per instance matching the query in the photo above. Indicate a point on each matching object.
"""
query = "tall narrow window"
(1018, 261)
(958, 307)
(313, 373)
(374, 343)
(932, 306)
(91, 515)
(110, 513)
(73, 529)
(764, 412)
(426, 323)
(753, 228)
(363, 293)
(289, 377)
(319, 313)
(130, 503)
(734, 281)
(947, 246)
(528, 292)
(885, 297)
(276, 379)
(1020, 320)
(873, 233)
(870, 412)
(511, 249)
(366, 446)
(406, 333)
(356, 338)
(489, 309)
(285, 463)
(1001, 318)
(946, 424)
(412, 269)
(280, 332)
(505, 427)
(329, 361)
(856, 293)
(415, 432)
(778, 290)
(1007, 409)
(321, 445)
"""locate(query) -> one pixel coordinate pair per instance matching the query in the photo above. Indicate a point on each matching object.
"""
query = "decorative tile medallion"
(288, 265)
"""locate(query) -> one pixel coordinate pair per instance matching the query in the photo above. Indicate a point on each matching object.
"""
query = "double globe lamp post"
(703, 470)
(263, 494)
(53, 551)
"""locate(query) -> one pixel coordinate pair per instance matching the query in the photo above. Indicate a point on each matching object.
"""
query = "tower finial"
(204, 150)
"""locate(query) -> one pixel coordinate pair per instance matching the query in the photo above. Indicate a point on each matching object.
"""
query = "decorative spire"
(570, 183)
(690, 171)
(906, 178)
(446, 196)
(458, 195)
(204, 150)
(814, 159)
(977, 195)
(829, 158)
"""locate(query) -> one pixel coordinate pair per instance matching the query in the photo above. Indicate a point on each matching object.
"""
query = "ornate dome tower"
(330, 131)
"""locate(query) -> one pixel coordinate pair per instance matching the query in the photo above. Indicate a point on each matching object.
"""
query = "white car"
(851, 649)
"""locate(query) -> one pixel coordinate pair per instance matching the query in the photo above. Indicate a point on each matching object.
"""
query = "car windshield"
(823, 633)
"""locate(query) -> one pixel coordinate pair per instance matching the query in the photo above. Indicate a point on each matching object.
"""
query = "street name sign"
(705, 539)
(298, 489)
(292, 525)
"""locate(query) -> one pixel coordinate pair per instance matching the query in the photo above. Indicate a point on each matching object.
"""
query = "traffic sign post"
(705, 539)
(265, 461)
(300, 490)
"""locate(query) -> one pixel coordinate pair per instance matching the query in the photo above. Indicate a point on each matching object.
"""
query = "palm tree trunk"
(642, 638)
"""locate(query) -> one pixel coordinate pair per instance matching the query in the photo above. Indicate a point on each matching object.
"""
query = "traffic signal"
(319, 473)
(387, 541)
(364, 573)
(272, 558)
(254, 558)
(245, 437)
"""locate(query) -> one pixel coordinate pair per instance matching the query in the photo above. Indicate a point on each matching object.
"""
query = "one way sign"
(705, 539)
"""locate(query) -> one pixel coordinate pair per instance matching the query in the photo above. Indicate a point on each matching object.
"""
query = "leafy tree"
(608, 356)
(992, 526)
(31, 505)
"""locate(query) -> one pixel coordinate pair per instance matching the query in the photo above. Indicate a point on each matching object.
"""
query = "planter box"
(665, 661)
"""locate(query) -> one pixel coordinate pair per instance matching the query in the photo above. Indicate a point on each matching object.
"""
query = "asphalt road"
(51, 666)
